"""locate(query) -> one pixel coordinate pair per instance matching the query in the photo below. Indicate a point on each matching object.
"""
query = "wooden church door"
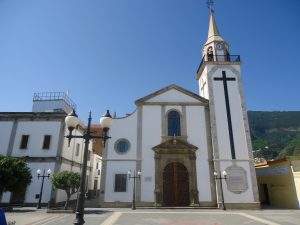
(176, 185)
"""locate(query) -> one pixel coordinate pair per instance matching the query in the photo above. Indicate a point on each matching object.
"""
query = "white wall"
(197, 135)
(37, 130)
(69, 152)
(116, 167)
(5, 132)
(151, 136)
(172, 95)
(95, 159)
(34, 187)
(121, 128)
(244, 197)
(238, 128)
(50, 106)
(202, 82)
(236, 116)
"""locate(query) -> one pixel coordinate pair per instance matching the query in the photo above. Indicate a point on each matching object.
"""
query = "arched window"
(174, 123)
(210, 54)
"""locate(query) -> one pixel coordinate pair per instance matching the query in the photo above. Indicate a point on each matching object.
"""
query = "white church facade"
(178, 140)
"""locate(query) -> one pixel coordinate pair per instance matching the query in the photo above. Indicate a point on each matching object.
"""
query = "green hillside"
(275, 134)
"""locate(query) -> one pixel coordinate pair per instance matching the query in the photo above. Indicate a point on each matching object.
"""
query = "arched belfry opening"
(210, 54)
(176, 185)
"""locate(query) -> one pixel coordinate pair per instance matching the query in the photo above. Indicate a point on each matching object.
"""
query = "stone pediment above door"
(175, 146)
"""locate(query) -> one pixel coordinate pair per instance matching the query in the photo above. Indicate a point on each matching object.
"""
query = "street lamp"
(220, 177)
(42, 185)
(134, 177)
(72, 123)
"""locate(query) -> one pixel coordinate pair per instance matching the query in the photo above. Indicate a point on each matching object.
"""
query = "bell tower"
(219, 78)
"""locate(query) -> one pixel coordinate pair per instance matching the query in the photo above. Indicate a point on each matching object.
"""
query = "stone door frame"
(184, 154)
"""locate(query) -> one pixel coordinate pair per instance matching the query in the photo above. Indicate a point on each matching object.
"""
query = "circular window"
(122, 146)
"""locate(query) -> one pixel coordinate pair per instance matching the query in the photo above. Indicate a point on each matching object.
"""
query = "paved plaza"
(160, 217)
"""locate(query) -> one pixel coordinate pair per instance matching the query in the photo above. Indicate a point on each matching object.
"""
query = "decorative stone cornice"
(32, 116)
(175, 144)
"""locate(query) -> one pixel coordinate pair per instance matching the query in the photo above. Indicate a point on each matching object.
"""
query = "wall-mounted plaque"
(237, 179)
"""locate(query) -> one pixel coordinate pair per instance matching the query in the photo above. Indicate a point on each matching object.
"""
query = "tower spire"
(213, 32)
(212, 27)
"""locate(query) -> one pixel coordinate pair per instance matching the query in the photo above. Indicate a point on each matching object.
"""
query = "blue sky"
(108, 53)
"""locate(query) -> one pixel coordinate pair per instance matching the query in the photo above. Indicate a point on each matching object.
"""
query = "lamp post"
(218, 176)
(42, 185)
(134, 177)
(72, 123)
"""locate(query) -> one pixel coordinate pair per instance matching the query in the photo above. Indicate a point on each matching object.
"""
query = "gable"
(172, 94)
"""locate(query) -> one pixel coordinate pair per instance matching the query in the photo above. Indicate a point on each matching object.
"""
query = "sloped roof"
(167, 88)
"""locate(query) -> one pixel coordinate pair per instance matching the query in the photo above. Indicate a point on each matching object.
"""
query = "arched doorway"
(176, 185)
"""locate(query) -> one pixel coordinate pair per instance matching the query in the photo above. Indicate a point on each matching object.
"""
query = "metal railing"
(50, 96)
(219, 58)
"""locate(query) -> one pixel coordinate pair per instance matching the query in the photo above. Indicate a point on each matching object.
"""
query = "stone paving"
(161, 217)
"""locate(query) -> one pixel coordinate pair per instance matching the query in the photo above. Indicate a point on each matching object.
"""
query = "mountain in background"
(275, 134)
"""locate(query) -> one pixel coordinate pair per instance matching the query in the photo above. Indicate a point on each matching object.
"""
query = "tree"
(68, 181)
(14, 174)
(292, 149)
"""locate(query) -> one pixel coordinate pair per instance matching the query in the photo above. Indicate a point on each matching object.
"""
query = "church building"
(179, 144)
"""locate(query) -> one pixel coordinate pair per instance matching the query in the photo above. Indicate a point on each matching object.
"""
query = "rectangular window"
(77, 149)
(47, 140)
(24, 141)
(97, 166)
(120, 182)
(95, 184)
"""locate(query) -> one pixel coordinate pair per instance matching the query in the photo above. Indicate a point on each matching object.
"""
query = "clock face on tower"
(219, 46)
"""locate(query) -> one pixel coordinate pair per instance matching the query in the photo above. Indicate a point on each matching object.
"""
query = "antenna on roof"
(210, 6)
